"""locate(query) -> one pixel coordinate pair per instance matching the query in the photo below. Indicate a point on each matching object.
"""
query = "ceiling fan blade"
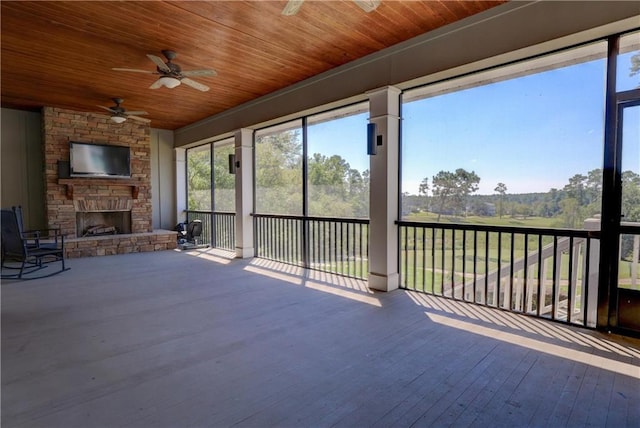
(138, 118)
(159, 62)
(135, 70)
(109, 109)
(156, 85)
(136, 112)
(194, 84)
(292, 7)
(199, 73)
(368, 5)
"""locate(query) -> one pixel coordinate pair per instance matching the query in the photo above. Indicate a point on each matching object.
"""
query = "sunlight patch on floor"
(336, 285)
(280, 276)
(211, 254)
(336, 291)
(539, 346)
(533, 331)
(523, 324)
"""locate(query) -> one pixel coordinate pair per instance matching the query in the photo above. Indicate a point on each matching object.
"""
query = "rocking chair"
(28, 251)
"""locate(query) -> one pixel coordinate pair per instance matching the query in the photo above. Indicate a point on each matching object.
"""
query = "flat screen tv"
(99, 160)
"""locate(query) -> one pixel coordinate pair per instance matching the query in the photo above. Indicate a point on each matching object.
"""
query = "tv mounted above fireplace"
(99, 160)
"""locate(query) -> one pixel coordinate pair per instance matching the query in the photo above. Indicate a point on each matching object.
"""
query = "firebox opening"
(103, 223)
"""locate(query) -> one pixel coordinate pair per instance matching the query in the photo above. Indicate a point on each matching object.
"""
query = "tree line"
(452, 193)
(338, 190)
(335, 188)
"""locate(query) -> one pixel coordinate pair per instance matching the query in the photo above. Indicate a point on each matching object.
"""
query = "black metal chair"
(194, 231)
(46, 238)
(28, 252)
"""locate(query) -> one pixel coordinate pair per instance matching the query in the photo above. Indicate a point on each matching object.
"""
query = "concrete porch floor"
(195, 338)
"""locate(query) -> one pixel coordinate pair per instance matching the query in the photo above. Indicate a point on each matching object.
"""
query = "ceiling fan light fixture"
(368, 5)
(169, 82)
(292, 7)
(118, 119)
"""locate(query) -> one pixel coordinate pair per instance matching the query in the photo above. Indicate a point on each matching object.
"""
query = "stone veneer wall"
(121, 244)
(61, 126)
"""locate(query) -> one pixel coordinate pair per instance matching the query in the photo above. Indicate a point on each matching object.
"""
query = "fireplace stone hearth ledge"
(106, 245)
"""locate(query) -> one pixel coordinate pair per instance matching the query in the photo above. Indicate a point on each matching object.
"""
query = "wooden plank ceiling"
(61, 53)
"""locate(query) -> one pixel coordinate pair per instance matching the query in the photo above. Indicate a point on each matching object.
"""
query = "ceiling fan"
(171, 74)
(293, 6)
(119, 114)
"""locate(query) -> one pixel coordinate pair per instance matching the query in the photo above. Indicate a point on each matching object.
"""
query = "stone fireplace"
(122, 205)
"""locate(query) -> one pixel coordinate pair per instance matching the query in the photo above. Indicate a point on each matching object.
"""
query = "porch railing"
(335, 245)
(549, 273)
(218, 228)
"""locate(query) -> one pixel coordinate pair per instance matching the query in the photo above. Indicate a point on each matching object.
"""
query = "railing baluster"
(433, 260)
(273, 238)
(554, 284)
(525, 285)
(325, 243)
(570, 281)
(415, 257)
(424, 259)
(540, 279)
(443, 257)
(341, 250)
(496, 297)
(585, 283)
(509, 302)
(464, 264)
(453, 263)
(475, 265)
(348, 247)
(334, 267)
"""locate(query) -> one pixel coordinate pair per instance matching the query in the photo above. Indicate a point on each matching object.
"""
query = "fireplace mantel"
(71, 182)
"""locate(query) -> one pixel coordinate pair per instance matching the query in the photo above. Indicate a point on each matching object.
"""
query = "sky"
(532, 133)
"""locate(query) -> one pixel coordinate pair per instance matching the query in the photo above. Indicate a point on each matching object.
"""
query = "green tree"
(423, 191)
(576, 189)
(501, 189)
(199, 178)
(336, 189)
(635, 66)
(278, 173)
(224, 183)
(570, 213)
(594, 191)
(551, 204)
(451, 189)
(359, 192)
(329, 173)
(631, 196)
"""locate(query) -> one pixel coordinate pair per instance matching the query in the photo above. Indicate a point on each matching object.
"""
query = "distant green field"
(541, 222)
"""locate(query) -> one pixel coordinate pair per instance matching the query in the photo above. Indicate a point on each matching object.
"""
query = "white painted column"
(384, 111)
(181, 184)
(244, 193)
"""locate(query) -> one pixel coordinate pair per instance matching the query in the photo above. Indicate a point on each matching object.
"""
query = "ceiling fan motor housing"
(117, 109)
(176, 70)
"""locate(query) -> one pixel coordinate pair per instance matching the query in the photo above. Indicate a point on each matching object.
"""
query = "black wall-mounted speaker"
(232, 163)
(63, 169)
(372, 132)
